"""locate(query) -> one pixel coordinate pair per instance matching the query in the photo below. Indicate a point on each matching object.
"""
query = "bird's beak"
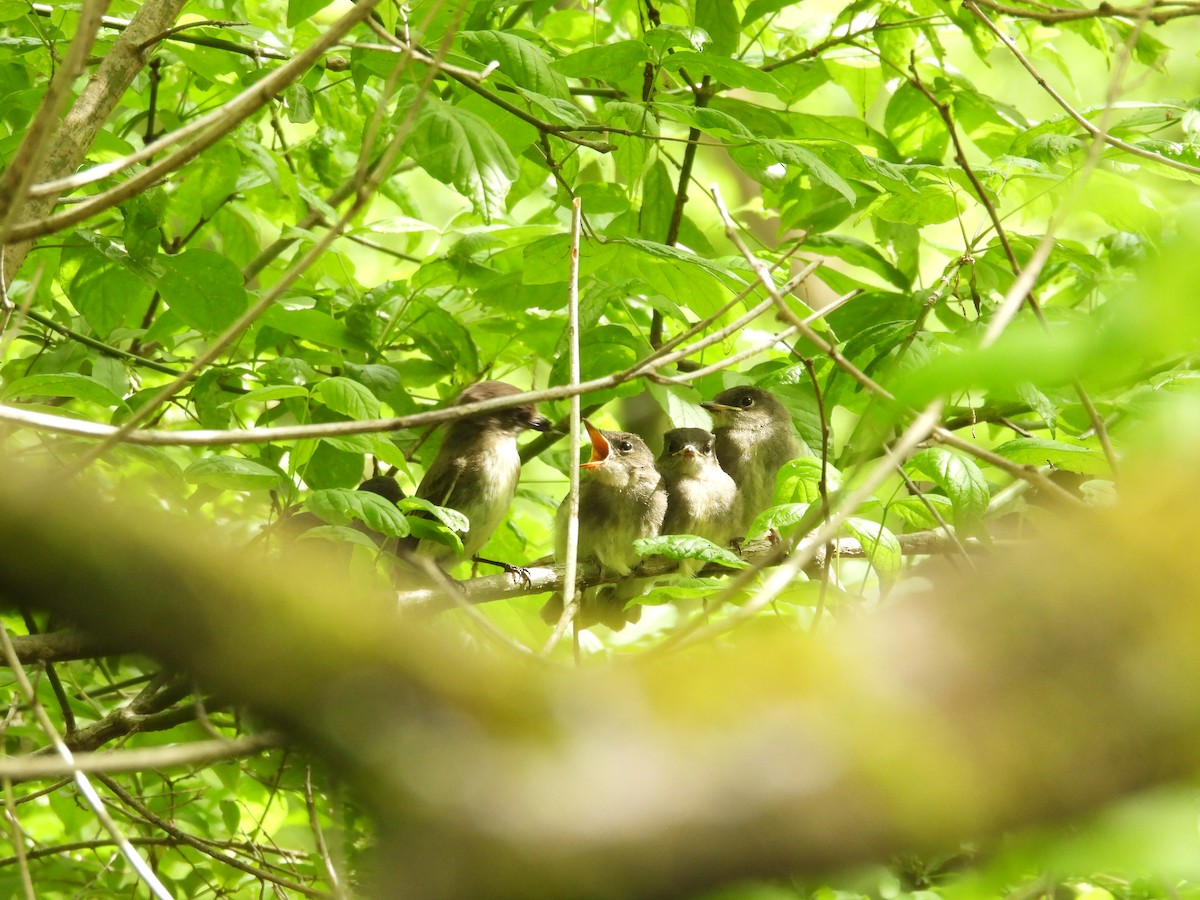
(600, 448)
(714, 406)
(540, 423)
(687, 451)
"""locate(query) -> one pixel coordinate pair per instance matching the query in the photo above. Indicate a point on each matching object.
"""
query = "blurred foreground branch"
(774, 752)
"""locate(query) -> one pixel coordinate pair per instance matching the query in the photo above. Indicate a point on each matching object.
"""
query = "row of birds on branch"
(709, 484)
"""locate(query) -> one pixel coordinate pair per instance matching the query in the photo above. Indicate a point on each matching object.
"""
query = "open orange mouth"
(600, 447)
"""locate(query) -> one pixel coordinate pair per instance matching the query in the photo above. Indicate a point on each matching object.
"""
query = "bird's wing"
(440, 481)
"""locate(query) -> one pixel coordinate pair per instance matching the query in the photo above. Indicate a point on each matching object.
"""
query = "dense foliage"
(1001, 198)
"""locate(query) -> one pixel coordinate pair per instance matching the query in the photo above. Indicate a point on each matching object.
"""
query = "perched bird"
(754, 438)
(477, 467)
(702, 499)
(623, 499)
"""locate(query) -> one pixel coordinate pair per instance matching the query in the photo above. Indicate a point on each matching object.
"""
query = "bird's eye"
(624, 446)
(746, 402)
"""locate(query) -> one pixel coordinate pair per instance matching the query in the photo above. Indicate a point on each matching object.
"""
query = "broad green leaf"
(436, 531)
(959, 477)
(916, 511)
(340, 506)
(1060, 454)
(204, 289)
(881, 546)
(461, 149)
(777, 517)
(794, 155)
(107, 289)
(687, 546)
(143, 217)
(667, 37)
(527, 64)
(756, 9)
(914, 126)
(232, 473)
(933, 205)
(720, 19)
(799, 481)
(298, 100)
(313, 325)
(451, 518)
(614, 61)
(65, 384)
(722, 69)
(348, 397)
(299, 10)
(270, 394)
(859, 253)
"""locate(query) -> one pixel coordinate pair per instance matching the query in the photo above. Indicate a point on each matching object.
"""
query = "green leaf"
(777, 517)
(720, 19)
(605, 62)
(313, 325)
(799, 481)
(959, 477)
(881, 546)
(527, 64)
(860, 253)
(687, 546)
(143, 215)
(722, 69)
(451, 518)
(340, 506)
(299, 10)
(299, 103)
(107, 289)
(1060, 454)
(916, 511)
(756, 9)
(204, 289)
(794, 155)
(232, 473)
(348, 397)
(66, 384)
(461, 149)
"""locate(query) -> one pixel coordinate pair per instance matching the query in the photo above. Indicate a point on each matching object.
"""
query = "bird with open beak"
(754, 438)
(702, 499)
(623, 499)
(477, 467)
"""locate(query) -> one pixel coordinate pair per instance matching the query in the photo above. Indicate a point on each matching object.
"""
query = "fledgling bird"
(702, 499)
(477, 467)
(754, 438)
(623, 499)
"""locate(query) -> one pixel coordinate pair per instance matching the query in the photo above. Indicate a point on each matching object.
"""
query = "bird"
(754, 438)
(622, 500)
(477, 468)
(702, 498)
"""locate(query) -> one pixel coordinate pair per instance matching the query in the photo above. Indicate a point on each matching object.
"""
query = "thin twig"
(571, 604)
(81, 781)
(1058, 98)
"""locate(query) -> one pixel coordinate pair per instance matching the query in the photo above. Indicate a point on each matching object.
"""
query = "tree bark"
(88, 114)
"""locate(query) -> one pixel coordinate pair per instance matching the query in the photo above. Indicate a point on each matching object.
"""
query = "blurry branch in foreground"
(1039, 685)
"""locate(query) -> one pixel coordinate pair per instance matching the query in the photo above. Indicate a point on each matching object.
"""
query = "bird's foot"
(520, 571)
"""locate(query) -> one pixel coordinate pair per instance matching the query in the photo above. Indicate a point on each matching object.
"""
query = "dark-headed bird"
(754, 438)
(477, 467)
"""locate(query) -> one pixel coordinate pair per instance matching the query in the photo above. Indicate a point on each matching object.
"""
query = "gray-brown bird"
(623, 499)
(477, 467)
(754, 438)
(702, 499)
